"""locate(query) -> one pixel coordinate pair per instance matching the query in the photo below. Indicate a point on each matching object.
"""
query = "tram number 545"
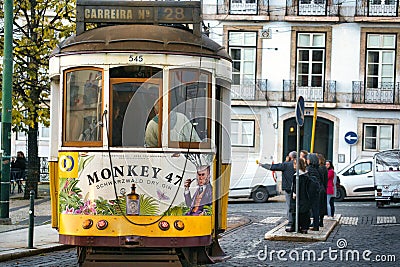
(136, 58)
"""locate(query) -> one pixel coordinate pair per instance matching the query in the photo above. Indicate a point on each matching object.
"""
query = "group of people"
(316, 191)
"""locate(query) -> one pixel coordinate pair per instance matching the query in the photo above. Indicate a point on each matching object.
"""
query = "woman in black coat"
(302, 195)
(312, 169)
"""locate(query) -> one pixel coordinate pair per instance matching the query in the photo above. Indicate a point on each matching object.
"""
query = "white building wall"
(276, 55)
(345, 57)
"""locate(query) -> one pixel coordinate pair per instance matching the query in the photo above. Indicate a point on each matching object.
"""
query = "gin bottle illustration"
(132, 202)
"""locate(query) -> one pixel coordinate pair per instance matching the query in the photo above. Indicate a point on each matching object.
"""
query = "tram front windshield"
(137, 115)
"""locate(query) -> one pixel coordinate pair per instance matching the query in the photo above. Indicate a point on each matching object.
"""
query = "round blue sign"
(351, 138)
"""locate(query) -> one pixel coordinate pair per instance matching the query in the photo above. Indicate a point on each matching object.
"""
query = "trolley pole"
(6, 112)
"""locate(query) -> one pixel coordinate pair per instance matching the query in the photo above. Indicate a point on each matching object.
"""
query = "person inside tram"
(181, 129)
(76, 117)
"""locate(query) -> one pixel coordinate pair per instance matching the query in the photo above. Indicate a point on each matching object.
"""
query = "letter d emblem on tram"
(68, 164)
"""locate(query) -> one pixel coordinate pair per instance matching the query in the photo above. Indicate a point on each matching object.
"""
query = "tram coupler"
(31, 218)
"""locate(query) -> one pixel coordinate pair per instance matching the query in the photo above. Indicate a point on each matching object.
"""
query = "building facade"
(342, 56)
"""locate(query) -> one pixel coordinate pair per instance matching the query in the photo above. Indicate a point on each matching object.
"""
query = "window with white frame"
(242, 133)
(380, 63)
(22, 135)
(378, 137)
(44, 132)
(310, 59)
(243, 50)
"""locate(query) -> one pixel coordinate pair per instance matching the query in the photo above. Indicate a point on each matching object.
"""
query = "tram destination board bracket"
(109, 12)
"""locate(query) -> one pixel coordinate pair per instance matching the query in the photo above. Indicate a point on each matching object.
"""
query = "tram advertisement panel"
(99, 183)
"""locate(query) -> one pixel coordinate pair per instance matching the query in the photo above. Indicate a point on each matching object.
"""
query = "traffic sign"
(300, 111)
(351, 138)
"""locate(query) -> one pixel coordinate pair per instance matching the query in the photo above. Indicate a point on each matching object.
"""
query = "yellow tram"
(140, 149)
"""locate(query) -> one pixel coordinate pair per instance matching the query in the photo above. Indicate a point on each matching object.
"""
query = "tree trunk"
(33, 170)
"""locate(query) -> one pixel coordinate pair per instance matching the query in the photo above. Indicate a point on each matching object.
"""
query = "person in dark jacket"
(324, 180)
(304, 202)
(312, 169)
(288, 171)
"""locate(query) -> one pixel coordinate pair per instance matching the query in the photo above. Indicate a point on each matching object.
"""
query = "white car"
(356, 180)
(253, 182)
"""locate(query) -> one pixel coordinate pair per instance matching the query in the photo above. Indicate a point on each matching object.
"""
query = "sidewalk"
(14, 237)
(279, 233)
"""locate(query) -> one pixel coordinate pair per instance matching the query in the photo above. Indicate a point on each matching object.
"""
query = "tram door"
(323, 142)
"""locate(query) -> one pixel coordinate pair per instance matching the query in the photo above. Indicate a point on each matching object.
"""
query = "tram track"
(241, 223)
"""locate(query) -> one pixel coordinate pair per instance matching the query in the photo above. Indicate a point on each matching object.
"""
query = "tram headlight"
(163, 225)
(87, 224)
(179, 225)
(102, 224)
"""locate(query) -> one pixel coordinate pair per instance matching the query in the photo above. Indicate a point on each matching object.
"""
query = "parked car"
(387, 177)
(356, 180)
(253, 182)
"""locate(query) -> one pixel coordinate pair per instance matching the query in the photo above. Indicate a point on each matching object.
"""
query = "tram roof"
(144, 38)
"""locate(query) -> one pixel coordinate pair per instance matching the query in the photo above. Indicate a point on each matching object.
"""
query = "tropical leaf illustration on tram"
(119, 205)
(83, 160)
(70, 198)
(207, 210)
(177, 210)
(108, 207)
(148, 205)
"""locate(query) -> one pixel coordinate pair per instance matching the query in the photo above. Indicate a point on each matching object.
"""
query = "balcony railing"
(377, 8)
(326, 93)
(312, 8)
(250, 90)
(242, 7)
(385, 93)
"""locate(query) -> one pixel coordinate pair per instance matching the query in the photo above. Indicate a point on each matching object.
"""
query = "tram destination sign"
(137, 12)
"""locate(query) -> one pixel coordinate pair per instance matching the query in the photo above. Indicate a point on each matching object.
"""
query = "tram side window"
(83, 106)
(190, 108)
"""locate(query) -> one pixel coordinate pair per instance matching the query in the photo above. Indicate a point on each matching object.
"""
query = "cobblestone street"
(365, 236)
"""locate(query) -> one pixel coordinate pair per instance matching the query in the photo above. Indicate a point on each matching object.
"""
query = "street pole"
(297, 178)
(6, 112)
(299, 110)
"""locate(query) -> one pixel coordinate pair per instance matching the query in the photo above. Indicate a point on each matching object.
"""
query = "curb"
(14, 254)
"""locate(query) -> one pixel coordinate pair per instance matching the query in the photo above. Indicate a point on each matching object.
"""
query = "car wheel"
(340, 194)
(260, 195)
(380, 204)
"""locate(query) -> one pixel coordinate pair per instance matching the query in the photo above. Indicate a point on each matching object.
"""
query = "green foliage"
(38, 26)
(207, 210)
(148, 205)
(83, 161)
(70, 194)
(177, 210)
(106, 207)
